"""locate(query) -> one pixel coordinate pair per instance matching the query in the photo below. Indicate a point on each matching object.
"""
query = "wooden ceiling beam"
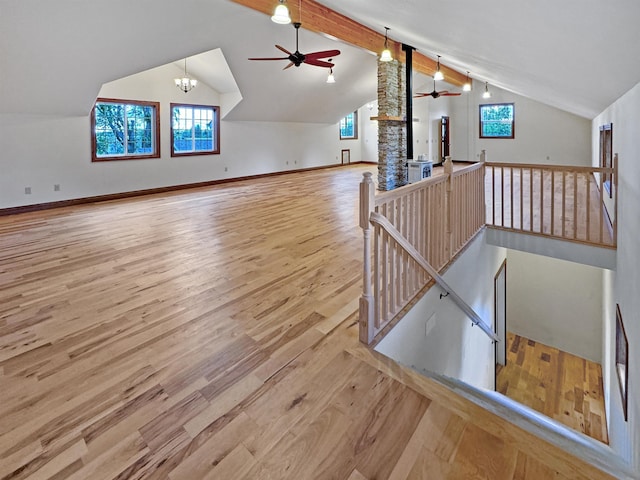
(320, 19)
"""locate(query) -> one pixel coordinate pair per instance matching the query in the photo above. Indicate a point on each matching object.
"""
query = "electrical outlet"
(287, 162)
(27, 190)
(295, 162)
(226, 169)
(56, 187)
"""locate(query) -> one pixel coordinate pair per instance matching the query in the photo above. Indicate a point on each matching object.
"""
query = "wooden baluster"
(541, 201)
(531, 199)
(384, 285)
(575, 205)
(406, 215)
(553, 200)
(502, 196)
(511, 194)
(601, 209)
(587, 179)
(366, 307)
(448, 171)
(564, 202)
(521, 200)
(493, 195)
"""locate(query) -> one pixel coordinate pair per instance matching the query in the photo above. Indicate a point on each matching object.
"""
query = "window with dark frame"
(606, 154)
(349, 127)
(497, 120)
(124, 130)
(622, 361)
(195, 129)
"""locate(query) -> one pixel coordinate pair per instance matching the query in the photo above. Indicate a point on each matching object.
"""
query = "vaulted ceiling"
(578, 55)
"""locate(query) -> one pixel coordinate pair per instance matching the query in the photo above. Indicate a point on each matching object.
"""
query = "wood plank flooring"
(211, 334)
(560, 385)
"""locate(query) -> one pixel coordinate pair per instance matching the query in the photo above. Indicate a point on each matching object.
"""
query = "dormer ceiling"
(579, 56)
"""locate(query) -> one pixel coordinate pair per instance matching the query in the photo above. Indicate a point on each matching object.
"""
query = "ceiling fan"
(436, 94)
(296, 58)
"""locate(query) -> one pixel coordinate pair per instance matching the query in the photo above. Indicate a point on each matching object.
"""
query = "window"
(606, 158)
(195, 130)
(497, 120)
(124, 130)
(349, 127)
(622, 360)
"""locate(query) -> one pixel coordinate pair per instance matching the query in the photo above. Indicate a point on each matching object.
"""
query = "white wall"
(437, 336)
(555, 302)
(543, 134)
(40, 151)
(623, 286)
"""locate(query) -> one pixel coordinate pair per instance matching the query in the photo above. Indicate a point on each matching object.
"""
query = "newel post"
(367, 205)
(448, 171)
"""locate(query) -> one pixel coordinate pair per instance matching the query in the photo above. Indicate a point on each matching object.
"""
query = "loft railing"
(566, 202)
(432, 220)
(435, 217)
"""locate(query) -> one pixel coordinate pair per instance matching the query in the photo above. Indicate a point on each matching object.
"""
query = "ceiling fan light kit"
(385, 56)
(281, 14)
(331, 78)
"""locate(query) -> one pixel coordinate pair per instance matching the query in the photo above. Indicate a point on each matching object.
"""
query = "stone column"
(392, 143)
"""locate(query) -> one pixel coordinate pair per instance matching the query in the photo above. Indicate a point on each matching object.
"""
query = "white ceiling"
(578, 55)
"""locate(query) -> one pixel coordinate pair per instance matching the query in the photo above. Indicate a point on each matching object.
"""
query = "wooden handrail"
(383, 197)
(557, 168)
(470, 168)
(381, 221)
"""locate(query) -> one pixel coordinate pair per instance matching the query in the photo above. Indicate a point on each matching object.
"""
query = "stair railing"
(378, 219)
(437, 217)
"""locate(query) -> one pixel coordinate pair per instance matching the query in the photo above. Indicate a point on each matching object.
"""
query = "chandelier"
(185, 83)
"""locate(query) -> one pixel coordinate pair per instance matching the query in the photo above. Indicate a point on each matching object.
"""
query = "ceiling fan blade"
(420, 95)
(323, 54)
(447, 94)
(270, 58)
(283, 49)
(318, 63)
(288, 66)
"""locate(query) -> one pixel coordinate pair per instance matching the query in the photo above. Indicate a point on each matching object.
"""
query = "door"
(444, 138)
(500, 313)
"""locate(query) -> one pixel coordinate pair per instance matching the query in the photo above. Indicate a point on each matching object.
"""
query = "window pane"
(182, 129)
(124, 130)
(110, 129)
(139, 129)
(348, 126)
(194, 129)
(497, 120)
(203, 133)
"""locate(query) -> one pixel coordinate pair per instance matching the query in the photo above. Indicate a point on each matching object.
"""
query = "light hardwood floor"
(211, 334)
(558, 384)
